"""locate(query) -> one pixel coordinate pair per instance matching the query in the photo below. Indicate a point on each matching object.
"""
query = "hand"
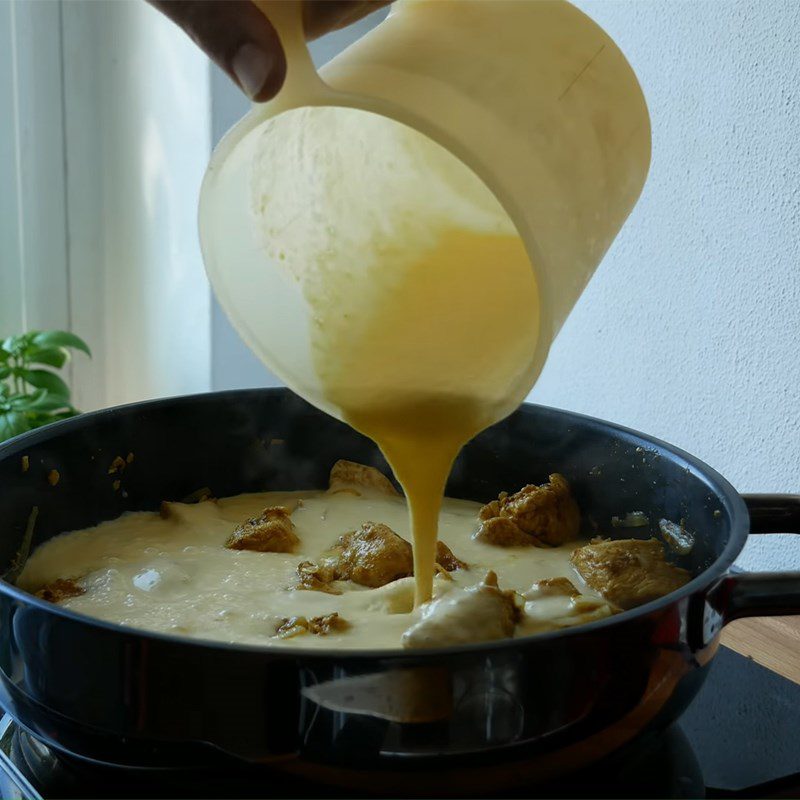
(241, 40)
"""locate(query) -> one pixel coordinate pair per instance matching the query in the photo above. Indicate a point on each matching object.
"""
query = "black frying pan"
(502, 712)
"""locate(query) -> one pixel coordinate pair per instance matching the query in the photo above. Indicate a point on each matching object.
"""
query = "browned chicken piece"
(272, 532)
(588, 608)
(552, 587)
(347, 476)
(503, 532)
(291, 626)
(329, 623)
(201, 495)
(117, 464)
(318, 626)
(459, 616)
(60, 589)
(182, 511)
(556, 603)
(545, 515)
(511, 610)
(628, 572)
(440, 572)
(446, 559)
(167, 509)
(316, 577)
(373, 556)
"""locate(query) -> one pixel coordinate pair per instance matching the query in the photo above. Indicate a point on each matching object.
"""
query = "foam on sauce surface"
(176, 576)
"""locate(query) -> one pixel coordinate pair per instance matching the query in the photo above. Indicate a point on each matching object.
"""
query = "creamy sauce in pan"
(176, 576)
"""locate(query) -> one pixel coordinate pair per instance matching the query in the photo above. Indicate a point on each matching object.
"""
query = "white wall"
(33, 268)
(689, 329)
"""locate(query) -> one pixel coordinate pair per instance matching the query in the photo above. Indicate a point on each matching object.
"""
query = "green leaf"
(40, 420)
(4, 372)
(52, 356)
(13, 344)
(43, 401)
(40, 401)
(37, 420)
(44, 379)
(22, 402)
(12, 423)
(4, 356)
(60, 339)
(70, 412)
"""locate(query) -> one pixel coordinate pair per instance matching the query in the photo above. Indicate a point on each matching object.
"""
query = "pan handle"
(765, 594)
(773, 513)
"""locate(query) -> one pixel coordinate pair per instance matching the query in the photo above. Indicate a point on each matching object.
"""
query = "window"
(104, 150)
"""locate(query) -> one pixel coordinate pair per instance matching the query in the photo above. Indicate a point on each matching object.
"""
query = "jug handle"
(302, 85)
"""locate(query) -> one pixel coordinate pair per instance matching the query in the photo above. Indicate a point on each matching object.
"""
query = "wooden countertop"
(773, 642)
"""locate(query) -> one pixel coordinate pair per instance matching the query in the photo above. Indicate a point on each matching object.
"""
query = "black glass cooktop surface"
(740, 738)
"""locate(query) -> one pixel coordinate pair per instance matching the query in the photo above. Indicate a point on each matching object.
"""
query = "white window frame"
(33, 235)
(100, 167)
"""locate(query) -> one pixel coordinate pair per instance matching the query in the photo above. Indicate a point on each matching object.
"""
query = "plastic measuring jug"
(503, 117)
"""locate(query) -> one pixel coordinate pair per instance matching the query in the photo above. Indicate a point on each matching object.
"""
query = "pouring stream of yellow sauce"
(434, 339)
(467, 307)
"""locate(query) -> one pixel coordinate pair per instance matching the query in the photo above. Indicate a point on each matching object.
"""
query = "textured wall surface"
(689, 329)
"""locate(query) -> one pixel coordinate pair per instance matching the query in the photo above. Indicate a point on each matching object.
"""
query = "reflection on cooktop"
(741, 737)
(660, 767)
(745, 726)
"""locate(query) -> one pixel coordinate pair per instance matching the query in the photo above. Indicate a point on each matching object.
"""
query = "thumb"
(237, 37)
